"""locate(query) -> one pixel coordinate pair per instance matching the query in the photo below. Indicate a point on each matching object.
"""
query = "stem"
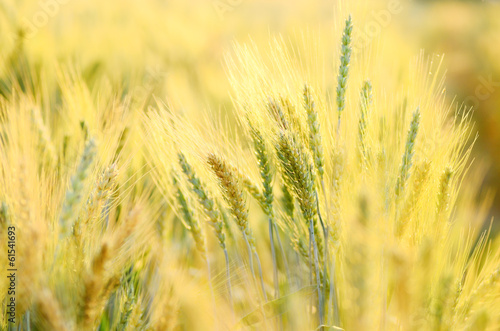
(285, 262)
(275, 266)
(252, 269)
(28, 321)
(316, 268)
(228, 276)
(250, 259)
(260, 274)
(333, 291)
(311, 234)
(253, 274)
(333, 295)
(325, 252)
(211, 289)
(384, 291)
(296, 273)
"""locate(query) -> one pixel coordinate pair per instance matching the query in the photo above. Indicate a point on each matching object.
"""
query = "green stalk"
(228, 276)
(275, 265)
(316, 268)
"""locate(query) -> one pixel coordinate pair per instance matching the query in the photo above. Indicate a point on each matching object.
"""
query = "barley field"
(241, 165)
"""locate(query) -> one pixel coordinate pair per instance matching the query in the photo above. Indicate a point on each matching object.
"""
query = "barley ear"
(253, 189)
(232, 193)
(345, 59)
(314, 132)
(487, 284)
(298, 175)
(266, 172)
(190, 220)
(234, 196)
(97, 199)
(204, 199)
(4, 215)
(480, 321)
(277, 112)
(365, 103)
(406, 163)
(127, 309)
(44, 135)
(421, 176)
(287, 202)
(94, 284)
(74, 192)
(444, 191)
(267, 176)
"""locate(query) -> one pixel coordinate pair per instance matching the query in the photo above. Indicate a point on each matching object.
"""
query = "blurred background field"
(175, 49)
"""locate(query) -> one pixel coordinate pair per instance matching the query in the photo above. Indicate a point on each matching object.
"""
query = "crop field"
(245, 165)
